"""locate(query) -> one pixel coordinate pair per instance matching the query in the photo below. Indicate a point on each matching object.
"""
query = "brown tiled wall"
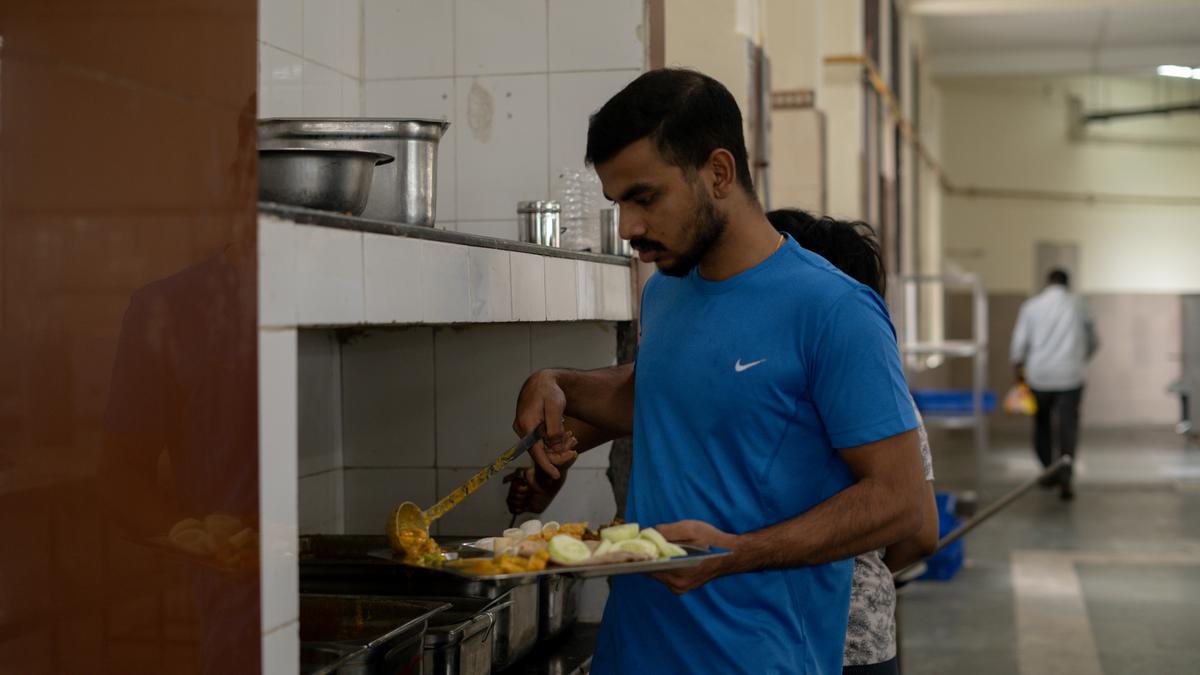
(126, 167)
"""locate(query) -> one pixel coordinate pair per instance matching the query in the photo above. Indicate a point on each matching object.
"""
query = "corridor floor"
(1108, 583)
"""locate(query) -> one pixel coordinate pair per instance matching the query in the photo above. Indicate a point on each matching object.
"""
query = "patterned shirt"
(871, 629)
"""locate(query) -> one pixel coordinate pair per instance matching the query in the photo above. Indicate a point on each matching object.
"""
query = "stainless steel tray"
(695, 556)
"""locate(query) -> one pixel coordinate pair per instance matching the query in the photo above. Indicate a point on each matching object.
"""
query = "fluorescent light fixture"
(1179, 71)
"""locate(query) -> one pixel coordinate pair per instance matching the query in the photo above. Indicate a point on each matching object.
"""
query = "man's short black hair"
(851, 246)
(1058, 276)
(687, 114)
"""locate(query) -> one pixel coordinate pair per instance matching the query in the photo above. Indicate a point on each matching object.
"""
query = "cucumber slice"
(675, 551)
(660, 542)
(567, 550)
(604, 547)
(638, 546)
(619, 532)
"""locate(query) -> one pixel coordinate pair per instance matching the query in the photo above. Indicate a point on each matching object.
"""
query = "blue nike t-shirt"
(745, 389)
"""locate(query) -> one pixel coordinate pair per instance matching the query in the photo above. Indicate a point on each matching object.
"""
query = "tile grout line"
(281, 626)
(1054, 633)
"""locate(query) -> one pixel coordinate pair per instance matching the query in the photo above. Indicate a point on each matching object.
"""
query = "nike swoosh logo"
(739, 366)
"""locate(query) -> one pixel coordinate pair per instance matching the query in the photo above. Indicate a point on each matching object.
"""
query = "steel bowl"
(404, 191)
(325, 179)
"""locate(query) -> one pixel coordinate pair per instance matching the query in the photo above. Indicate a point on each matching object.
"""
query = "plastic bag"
(1020, 401)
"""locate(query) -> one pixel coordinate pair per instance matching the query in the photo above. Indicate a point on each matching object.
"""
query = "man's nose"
(629, 225)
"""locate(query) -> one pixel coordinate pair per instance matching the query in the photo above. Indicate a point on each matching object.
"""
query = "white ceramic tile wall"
(573, 98)
(528, 287)
(332, 34)
(510, 135)
(446, 294)
(481, 515)
(276, 272)
(409, 38)
(562, 302)
(329, 269)
(391, 277)
(280, 83)
(281, 23)
(502, 143)
(310, 58)
(388, 398)
(589, 289)
(431, 99)
(479, 373)
(281, 649)
(617, 295)
(278, 479)
(583, 345)
(373, 493)
(587, 495)
(321, 500)
(499, 37)
(322, 96)
(320, 402)
(590, 35)
(491, 285)
(340, 277)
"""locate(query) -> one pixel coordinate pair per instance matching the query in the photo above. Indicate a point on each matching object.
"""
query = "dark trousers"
(889, 667)
(1057, 411)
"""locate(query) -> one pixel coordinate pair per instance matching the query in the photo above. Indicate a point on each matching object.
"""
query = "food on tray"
(219, 536)
(504, 564)
(567, 550)
(665, 547)
(534, 545)
(619, 532)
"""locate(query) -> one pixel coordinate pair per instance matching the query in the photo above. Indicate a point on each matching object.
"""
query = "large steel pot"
(404, 191)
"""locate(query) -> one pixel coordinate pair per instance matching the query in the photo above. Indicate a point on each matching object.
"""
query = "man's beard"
(707, 227)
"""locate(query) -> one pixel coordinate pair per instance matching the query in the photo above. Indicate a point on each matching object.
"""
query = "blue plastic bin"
(944, 564)
(950, 401)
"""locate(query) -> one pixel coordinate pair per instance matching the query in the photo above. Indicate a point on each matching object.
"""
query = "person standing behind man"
(1051, 344)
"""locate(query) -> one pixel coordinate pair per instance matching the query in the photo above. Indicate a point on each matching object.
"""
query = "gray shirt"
(871, 629)
(1054, 338)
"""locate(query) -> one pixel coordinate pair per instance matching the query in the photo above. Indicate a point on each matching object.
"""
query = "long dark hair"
(850, 246)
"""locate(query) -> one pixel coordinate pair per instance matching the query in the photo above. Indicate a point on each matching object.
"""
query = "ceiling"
(1009, 37)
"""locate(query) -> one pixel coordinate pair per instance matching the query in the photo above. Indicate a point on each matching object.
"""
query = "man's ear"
(724, 173)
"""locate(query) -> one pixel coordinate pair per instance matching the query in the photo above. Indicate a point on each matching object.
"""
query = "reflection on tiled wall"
(421, 409)
(517, 80)
(310, 58)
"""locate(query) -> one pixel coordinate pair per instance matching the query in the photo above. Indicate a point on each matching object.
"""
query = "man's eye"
(644, 201)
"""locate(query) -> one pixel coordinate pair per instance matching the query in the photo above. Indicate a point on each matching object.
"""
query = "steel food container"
(383, 634)
(404, 191)
(611, 242)
(516, 629)
(558, 604)
(459, 640)
(540, 222)
(343, 564)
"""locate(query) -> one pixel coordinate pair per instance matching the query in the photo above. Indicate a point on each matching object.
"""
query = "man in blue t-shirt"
(768, 409)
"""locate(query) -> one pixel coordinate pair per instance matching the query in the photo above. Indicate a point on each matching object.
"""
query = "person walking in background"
(1051, 344)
